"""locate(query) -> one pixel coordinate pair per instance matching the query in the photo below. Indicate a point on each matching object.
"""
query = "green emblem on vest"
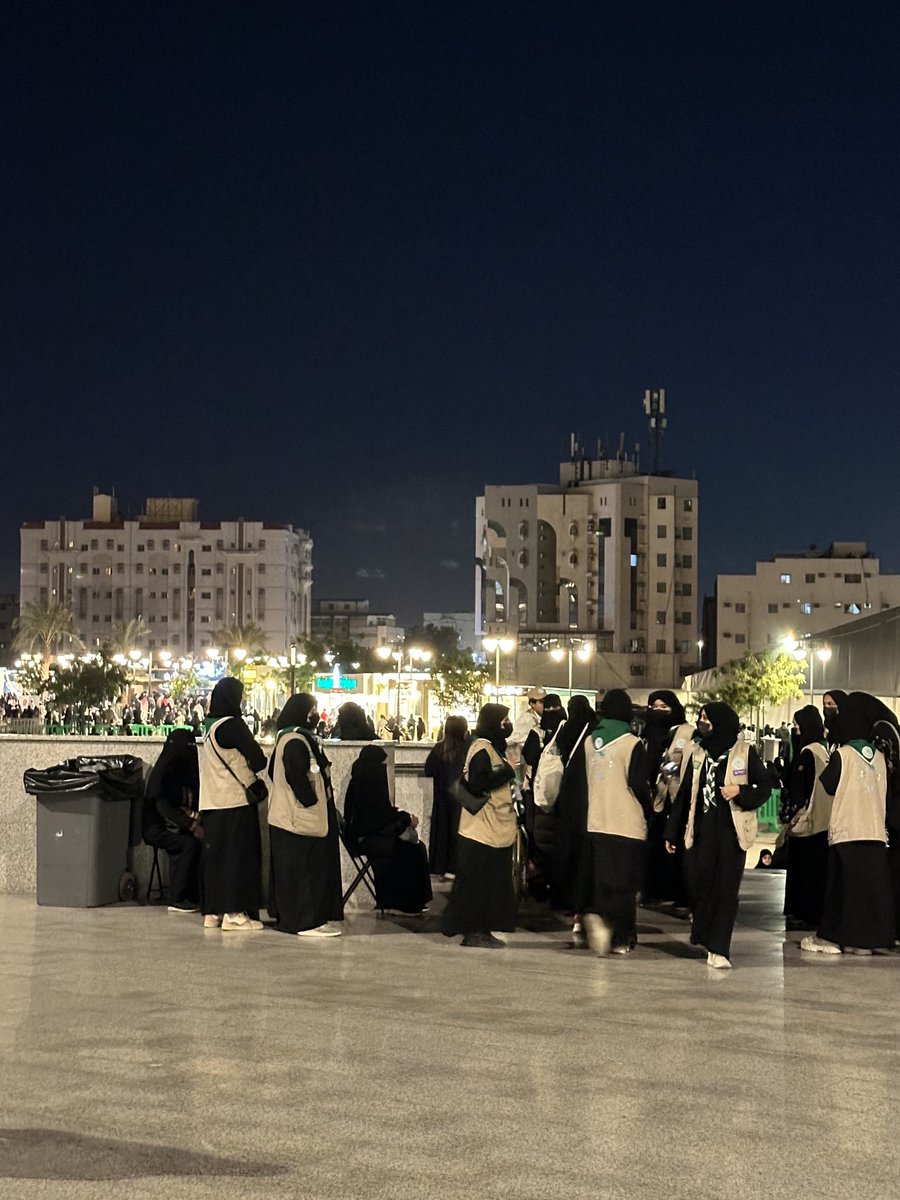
(868, 753)
(598, 743)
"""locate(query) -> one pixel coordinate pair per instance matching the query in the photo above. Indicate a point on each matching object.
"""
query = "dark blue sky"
(341, 264)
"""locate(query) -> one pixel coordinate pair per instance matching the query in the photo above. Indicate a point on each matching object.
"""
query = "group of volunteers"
(610, 816)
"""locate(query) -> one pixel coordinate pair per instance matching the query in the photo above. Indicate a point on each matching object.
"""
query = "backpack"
(550, 770)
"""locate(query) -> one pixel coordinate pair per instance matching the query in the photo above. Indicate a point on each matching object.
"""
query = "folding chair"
(159, 886)
(365, 873)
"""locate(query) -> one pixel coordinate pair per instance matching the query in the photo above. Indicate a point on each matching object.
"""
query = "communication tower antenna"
(655, 408)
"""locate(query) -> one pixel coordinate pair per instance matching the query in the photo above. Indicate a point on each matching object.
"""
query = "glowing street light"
(583, 654)
(498, 646)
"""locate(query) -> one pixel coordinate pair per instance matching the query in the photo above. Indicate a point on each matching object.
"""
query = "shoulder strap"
(212, 742)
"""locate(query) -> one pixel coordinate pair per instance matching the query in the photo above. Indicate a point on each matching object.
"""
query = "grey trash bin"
(84, 822)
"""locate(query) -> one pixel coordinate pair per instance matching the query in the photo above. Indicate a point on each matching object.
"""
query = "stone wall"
(410, 789)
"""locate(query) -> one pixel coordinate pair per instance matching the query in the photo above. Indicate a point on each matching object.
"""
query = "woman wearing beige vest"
(858, 915)
(305, 895)
(483, 899)
(806, 813)
(619, 806)
(232, 847)
(714, 816)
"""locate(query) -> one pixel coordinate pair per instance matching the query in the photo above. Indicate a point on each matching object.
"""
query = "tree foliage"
(87, 684)
(756, 680)
(249, 637)
(458, 682)
(46, 627)
(128, 635)
(441, 640)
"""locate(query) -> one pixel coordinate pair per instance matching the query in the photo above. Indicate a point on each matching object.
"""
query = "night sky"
(342, 264)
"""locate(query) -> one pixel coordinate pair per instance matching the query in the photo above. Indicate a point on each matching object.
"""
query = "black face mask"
(829, 716)
(312, 720)
(704, 728)
(659, 717)
(506, 729)
(551, 719)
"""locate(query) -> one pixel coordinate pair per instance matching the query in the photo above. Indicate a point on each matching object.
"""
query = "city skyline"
(343, 266)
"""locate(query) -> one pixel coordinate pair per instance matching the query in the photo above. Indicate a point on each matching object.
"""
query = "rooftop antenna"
(655, 408)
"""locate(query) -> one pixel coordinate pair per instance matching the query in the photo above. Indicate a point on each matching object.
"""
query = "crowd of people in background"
(615, 807)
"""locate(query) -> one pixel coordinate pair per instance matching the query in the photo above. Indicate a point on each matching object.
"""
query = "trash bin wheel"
(127, 886)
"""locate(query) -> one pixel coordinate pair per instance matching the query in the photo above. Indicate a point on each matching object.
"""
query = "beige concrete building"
(607, 557)
(184, 577)
(338, 620)
(800, 595)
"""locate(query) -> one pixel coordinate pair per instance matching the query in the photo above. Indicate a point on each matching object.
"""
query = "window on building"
(523, 558)
(138, 568)
(95, 543)
(661, 560)
(660, 502)
(633, 560)
(204, 620)
(687, 560)
(853, 579)
(261, 569)
(738, 607)
(689, 506)
(261, 602)
(661, 586)
(151, 544)
(785, 578)
(262, 543)
(43, 568)
(207, 549)
(726, 634)
(206, 595)
(110, 544)
(573, 529)
(140, 548)
(661, 618)
(573, 559)
(45, 545)
(660, 645)
(740, 639)
(810, 578)
(220, 569)
(523, 529)
(685, 618)
(220, 545)
(773, 608)
(206, 571)
(687, 533)
(806, 608)
(661, 531)
(687, 589)
(176, 568)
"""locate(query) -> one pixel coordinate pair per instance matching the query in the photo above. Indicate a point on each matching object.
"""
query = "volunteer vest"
(613, 807)
(218, 787)
(737, 773)
(678, 751)
(285, 810)
(495, 825)
(816, 817)
(858, 812)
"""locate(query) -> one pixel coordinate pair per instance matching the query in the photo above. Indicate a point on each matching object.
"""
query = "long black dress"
(807, 857)
(443, 836)
(305, 872)
(402, 880)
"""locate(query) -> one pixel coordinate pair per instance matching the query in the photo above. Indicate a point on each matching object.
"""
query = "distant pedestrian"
(444, 766)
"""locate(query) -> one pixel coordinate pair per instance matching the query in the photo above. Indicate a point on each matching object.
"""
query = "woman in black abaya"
(172, 820)
(305, 894)
(704, 819)
(443, 766)
(667, 738)
(387, 836)
(808, 810)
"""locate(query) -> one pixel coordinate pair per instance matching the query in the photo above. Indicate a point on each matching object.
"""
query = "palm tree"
(128, 635)
(46, 626)
(248, 637)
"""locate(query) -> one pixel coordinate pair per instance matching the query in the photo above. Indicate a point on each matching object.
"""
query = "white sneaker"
(329, 929)
(184, 907)
(719, 961)
(234, 922)
(817, 945)
(599, 934)
(211, 921)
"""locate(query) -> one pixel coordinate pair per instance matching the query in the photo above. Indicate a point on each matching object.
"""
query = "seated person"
(386, 836)
(171, 821)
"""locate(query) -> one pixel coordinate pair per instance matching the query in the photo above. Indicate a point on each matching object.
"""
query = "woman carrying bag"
(483, 899)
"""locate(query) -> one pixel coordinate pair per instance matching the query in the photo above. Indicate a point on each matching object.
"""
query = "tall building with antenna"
(604, 560)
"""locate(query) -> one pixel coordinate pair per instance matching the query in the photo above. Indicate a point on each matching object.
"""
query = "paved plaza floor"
(142, 1057)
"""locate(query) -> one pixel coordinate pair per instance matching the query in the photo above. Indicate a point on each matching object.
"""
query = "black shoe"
(482, 941)
(794, 924)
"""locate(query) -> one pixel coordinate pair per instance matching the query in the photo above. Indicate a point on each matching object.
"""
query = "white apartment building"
(799, 595)
(607, 556)
(339, 620)
(184, 577)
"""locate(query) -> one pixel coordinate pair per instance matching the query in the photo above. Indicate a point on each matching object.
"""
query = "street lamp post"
(498, 646)
(583, 653)
(416, 653)
(816, 650)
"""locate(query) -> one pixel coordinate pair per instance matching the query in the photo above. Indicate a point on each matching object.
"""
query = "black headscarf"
(809, 721)
(226, 697)
(296, 711)
(490, 720)
(582, 715)
(352, 725)
(726, 725)
(367, 803)
(840, 699)
(677, 716)
(553, 715)
(853, 722)
(176, 768)
(873, 708)
(616, 706)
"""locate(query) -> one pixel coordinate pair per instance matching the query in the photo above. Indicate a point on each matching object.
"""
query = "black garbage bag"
(112, 776)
